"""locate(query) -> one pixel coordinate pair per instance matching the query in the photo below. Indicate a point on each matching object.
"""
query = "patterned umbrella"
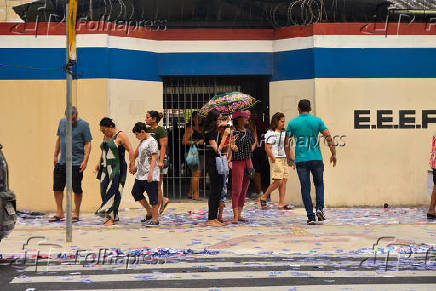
(228, 103)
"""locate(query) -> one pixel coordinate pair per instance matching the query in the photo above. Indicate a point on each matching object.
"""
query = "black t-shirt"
(244, 142)
(212, 136)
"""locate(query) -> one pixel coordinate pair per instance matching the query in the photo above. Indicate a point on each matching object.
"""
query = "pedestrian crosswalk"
(232, 273)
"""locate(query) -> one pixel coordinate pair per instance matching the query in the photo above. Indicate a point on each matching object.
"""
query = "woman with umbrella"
(242, 167)
(212, 138)
(242, 144)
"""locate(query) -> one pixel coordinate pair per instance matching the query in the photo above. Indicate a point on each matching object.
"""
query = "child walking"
(147, 174)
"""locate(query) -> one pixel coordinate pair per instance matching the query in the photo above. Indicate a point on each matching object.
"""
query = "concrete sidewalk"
(352, 231)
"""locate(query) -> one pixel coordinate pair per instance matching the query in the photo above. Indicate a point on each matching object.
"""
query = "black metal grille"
(182, 96)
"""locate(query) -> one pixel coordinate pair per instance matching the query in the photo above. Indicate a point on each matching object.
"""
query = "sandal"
(55, 219)
(242, 219)
(431, 216)
(74, 219)
(263, 204)
(109, 224)
(162, 208)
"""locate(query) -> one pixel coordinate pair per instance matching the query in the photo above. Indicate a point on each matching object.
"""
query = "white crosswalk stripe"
(233, 273)
(208, 275)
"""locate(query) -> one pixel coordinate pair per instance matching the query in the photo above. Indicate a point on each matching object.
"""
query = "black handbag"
(250, 172)
(166, 162)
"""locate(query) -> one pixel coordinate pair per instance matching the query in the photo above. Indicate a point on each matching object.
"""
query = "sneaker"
(311, 221)
(152, 223)
(147, 218)
(320, 214)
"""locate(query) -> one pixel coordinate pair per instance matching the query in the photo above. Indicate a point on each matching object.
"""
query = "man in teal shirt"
(308, 159)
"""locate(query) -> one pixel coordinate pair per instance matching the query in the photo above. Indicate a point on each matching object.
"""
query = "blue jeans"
(304, 169)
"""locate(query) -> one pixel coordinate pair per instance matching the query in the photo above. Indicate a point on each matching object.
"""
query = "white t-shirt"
(146, 149)
(277, 146)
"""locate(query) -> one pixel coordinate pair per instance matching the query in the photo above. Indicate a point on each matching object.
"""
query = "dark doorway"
(182, 96)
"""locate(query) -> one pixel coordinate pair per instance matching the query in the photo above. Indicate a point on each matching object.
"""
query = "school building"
(373, 84)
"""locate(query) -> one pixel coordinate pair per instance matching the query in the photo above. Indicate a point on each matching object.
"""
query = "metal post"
(69, 145)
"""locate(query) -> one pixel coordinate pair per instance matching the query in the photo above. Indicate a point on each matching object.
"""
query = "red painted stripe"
(356, 29)
(374, 29)
(294, 31)
(95, 27)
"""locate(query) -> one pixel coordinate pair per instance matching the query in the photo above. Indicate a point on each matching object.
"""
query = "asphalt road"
(226, 273)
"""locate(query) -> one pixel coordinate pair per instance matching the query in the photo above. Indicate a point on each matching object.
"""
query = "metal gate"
(182, 96)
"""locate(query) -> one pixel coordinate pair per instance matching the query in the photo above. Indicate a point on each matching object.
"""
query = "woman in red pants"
(242, 149)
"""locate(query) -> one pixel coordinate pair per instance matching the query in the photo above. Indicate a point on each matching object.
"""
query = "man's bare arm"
(57, 150)
(86, 156)
(331, 144)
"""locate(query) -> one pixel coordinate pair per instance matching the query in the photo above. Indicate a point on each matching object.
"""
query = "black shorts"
(434, 176)
(142, 186)
(59, 179)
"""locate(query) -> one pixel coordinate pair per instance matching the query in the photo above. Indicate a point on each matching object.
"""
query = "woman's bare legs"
(282, 193)
(431, 209)
(195, 184)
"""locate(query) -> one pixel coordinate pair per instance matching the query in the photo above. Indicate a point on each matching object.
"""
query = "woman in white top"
(275, 149)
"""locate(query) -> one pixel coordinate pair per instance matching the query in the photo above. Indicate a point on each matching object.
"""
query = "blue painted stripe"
(117, 64)
(25, 64)
(293, 65)
(288, 65)
(215, 64)
(375, 63)
(133, 65)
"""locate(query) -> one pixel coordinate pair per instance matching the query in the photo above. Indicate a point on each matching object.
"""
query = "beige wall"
(284, 97)
(376, 165)
(129, 101)
(7, 14)
(29, 113)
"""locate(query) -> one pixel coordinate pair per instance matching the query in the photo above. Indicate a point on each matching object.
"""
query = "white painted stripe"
(142, 266)
(375, 287)
(289, 44)
(204, 46)
(51, 41)
(375, 41)
(224, 46)
(214, 276)
(129, 43)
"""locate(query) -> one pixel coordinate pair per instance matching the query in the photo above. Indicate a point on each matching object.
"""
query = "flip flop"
(74, 219)
(55, 219)
(286, 207)
(162, 208)
(263, 204)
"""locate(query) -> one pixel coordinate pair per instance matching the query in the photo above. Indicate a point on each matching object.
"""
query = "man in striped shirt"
(431, 214)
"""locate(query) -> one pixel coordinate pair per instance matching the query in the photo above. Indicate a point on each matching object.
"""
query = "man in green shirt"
(159, 133)
(308, 159)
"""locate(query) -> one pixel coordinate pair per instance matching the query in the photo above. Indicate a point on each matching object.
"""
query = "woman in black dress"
(212, 138)
(194, 136)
